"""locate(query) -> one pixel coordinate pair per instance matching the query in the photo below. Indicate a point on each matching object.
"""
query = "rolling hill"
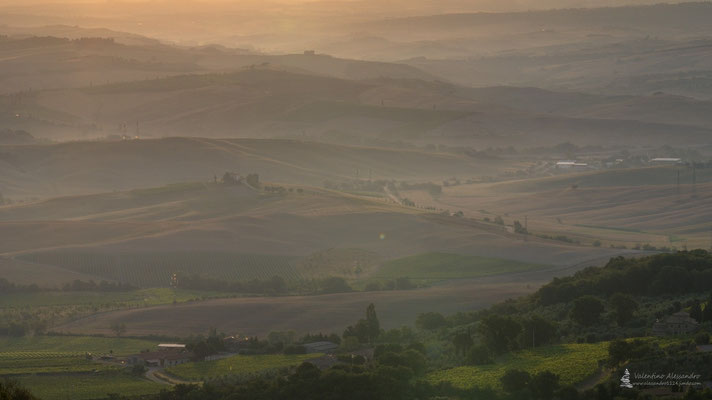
(269, 101)
(88, 167)
(219, 220)
(625, 207)
(62, 57)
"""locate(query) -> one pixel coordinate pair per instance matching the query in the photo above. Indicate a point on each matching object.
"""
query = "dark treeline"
(103, 286)
(278, 285)
(75, 286)
(9, 287)
(674, 273)
(274, 285)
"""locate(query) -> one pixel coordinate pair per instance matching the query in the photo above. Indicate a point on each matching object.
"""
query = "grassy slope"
(237, 365)
(23, 363)
(71, 375)
(74, 344)
(155, 269)
(572, 362)
(62, 354)
(81, 387)
(449, 266)
(621, 207)
(91, 167)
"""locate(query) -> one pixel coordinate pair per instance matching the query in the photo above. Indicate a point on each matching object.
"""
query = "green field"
(156, 269)
(434, 266)
(45, 362)
(572, 362)
(88, 386)
(77, 345)
(237, 365)
(62, 354)
(141, 297)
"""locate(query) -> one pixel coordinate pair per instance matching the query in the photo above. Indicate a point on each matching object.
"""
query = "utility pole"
(678, 182)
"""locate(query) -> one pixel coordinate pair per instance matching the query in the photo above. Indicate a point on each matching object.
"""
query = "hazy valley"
(513, 186)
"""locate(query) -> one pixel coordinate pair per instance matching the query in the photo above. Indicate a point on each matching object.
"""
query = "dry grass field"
(615, 207)
(71, 168)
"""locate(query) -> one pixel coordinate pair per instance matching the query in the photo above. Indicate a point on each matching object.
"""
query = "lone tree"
(374, 327)
(519, 228)
(587, 310)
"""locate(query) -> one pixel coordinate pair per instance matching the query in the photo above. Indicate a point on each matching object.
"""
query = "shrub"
(702, 338)
(479, 355)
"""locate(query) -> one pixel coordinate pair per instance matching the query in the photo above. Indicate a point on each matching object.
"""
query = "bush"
(702, 338)
(479, 355)
(334, 284)
(372, 287)
(138, 370)
(11, 390)
(430, 321)
(515, 380)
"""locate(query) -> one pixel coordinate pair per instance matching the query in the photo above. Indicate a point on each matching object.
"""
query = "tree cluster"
(365, 330)
(274, 285)
(674, 273)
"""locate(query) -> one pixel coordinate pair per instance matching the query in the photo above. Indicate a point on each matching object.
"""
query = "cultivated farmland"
(88, 386)
(237, 365)
(439, 266)
(572, 362)
(156, 269)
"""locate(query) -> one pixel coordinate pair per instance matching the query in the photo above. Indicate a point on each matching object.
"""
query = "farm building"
(568, 164)
(676, 324)
(237, 343)
(174, 346)
(168, 355)
(321, 347)
(666, 160)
